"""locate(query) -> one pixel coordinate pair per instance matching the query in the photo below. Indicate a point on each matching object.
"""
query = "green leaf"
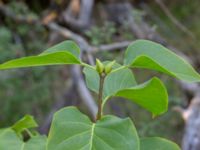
(150, 55)
(64, 53)
(156, 143)
(66, 46)
(116, 80)
(150, 95)
(10, 141)
(25, 123)
(72, 130)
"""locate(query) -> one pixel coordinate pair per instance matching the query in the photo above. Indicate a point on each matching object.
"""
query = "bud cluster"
(101, 68)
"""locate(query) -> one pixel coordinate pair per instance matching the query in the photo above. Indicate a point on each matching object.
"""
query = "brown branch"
(70, 35)
(191, 138)
(83, 43)
(84, 16)
(111, 47)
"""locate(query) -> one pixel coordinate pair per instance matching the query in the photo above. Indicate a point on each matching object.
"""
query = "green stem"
(100, 96)
(29, 133)
(86, 65)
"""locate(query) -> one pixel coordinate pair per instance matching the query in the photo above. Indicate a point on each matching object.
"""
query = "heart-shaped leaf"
(64, 53)
(150, 55)
(151, 95)
(72, 130)
(10, 141)
(156, 143)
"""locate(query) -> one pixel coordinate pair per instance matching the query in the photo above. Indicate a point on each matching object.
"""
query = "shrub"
(71, 129)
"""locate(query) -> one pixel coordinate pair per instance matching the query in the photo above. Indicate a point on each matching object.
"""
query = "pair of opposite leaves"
(121, 81)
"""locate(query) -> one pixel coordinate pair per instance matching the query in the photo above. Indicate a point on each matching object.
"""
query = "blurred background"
(103, 29)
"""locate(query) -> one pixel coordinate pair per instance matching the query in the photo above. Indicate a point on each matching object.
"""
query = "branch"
(83, 43)
(83, 20)
(70, 35)
(111, 47)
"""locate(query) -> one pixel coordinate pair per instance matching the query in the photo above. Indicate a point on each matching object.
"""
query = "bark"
(191, 139)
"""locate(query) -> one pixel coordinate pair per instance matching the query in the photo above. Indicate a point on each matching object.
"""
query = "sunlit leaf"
(25, 123)
(150, 95)
(64, 53)
(150, 55)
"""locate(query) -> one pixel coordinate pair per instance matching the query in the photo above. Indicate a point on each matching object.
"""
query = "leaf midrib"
(92, 135)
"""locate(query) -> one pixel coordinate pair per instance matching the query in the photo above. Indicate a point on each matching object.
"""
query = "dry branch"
(191, 138)
(84, 14)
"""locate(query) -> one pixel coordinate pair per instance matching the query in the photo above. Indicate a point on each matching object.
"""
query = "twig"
(83, 43)
(70, 35)
(111, 47)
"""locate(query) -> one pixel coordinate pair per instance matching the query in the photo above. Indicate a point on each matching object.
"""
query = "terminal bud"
(99, 66)
(108, 67)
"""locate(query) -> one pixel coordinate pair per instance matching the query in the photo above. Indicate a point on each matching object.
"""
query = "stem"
(86, 65)
(100, 97)
(29, 133)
